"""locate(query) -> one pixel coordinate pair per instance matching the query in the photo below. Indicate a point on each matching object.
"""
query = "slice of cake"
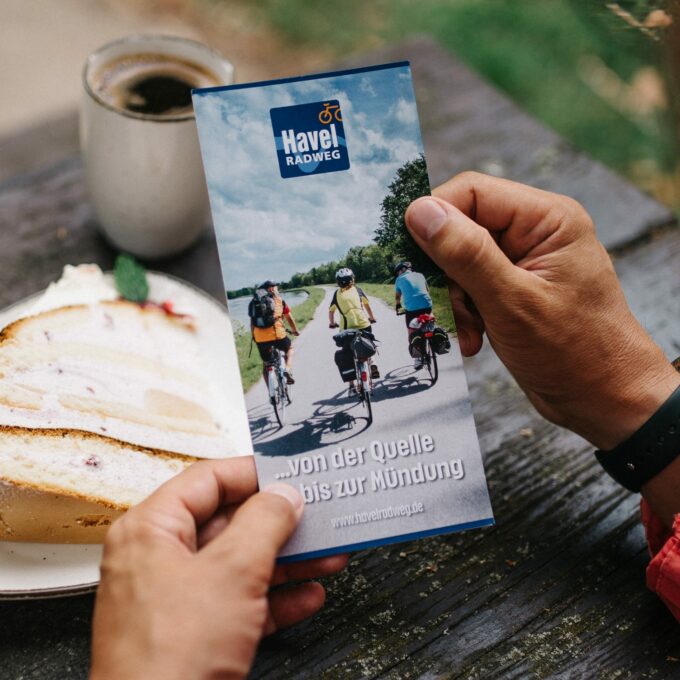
(63, 486)
(82, 358)
(101, 401)
(115, 368)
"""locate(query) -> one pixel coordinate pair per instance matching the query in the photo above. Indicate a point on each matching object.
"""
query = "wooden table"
(556, 589)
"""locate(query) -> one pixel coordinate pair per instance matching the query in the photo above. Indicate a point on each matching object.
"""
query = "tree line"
(392, 241)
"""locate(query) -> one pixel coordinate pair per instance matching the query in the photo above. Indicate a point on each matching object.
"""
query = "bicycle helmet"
(268, 284)
(402, 265)
(344, 277)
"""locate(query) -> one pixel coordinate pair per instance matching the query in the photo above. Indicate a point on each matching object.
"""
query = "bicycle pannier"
(363, 347)
(270, 355)
(342, 340)
(345, 363)
(440, 341)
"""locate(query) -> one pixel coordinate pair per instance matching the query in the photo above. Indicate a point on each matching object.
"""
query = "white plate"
(41, 570)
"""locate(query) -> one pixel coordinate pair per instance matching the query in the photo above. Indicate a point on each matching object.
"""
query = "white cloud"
(405, 111)
(269, 227)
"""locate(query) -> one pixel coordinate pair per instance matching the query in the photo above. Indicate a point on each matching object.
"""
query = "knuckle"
(575, 213)
(127, 530)
(114, 536)
(240, 563)
(253, 575)
(571, 204)
(571, 219)
(467, 177)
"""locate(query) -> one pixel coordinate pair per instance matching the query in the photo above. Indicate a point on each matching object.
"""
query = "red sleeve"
(286, 308)
(663, 571)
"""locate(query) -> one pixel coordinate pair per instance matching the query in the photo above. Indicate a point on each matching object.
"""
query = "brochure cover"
(364, 410)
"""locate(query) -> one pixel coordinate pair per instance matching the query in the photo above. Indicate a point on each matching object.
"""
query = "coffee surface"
(151, 84)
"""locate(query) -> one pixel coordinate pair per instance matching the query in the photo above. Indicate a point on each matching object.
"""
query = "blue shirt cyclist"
(411, 291)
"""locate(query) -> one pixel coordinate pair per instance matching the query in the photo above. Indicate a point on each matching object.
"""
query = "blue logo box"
(310, 138)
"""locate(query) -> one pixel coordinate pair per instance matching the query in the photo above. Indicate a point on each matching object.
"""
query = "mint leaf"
(130, 279)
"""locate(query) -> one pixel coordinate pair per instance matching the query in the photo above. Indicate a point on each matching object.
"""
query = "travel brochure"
(353, 378)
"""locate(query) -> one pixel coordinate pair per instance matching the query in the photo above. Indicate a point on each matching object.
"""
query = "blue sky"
(270, 227)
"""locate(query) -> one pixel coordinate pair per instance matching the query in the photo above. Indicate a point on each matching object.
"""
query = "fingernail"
(289, 493)
(426, 217)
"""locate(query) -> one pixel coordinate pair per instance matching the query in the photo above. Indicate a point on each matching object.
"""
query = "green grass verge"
(249, 362)
(540, 53)
(441, 305)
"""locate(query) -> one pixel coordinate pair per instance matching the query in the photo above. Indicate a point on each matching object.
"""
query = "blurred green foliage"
(538, 51)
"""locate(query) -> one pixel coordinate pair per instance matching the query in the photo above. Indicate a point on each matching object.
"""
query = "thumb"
(466, 251)
(260, 527)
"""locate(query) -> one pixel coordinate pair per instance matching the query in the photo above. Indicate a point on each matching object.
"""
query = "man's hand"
(186, 574)
(525, 266)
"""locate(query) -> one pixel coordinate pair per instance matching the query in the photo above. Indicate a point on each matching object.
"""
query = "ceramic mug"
(144, 171)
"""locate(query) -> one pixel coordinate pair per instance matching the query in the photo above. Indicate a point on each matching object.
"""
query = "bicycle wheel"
(365, 390)
(286, 390)
(278, 403)
(366, 401)
(281, 399)
(431, 362)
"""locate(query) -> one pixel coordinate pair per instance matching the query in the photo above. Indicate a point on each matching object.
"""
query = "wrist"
(632, 405)
(626, 381)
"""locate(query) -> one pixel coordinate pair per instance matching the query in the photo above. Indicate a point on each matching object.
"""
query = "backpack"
(262, 309)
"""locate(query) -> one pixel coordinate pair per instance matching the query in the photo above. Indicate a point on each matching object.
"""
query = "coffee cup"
(139, 141)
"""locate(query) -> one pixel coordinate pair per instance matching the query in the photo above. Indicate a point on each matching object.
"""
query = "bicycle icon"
(330, 111)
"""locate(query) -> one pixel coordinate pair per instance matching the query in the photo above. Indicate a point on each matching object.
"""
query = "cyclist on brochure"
(267, 311)
(352, 305)
(413, 294)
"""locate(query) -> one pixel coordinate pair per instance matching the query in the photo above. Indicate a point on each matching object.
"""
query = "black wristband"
(649, 450)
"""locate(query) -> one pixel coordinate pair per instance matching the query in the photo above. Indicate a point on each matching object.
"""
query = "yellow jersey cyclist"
(267, 311)
(353, 306)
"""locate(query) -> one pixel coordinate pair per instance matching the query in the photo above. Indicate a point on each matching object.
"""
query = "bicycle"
(362, 384)
(277, 384)
(429, 356)
(325, 116)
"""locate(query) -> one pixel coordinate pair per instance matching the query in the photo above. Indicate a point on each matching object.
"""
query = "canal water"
(238, 307)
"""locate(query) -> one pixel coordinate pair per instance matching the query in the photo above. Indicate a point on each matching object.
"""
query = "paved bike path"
(322, 413)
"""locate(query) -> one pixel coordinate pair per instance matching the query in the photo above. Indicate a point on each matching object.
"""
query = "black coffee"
(151, 84)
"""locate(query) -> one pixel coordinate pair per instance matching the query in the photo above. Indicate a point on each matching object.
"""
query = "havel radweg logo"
(310, 138)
